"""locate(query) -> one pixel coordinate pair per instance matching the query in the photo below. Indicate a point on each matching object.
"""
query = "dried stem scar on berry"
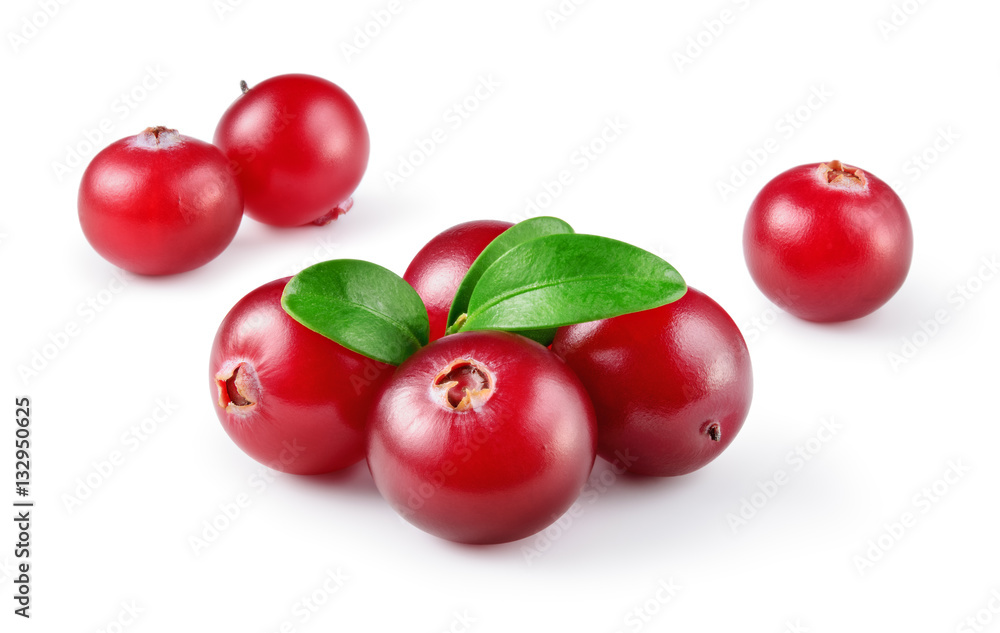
(836, 173)
(464, 384)
(239, 387)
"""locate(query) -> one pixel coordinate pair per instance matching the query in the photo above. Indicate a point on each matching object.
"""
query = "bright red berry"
(290, 398)
(828, 242)
(159, 202)
(482, 437)
(671, 386)
(300, 147)
(437, 270)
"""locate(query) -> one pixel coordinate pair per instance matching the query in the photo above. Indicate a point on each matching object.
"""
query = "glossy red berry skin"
(290, 398)
(671, 386)
(438, 269)
(299, 146)
(828, 242)
(159, 203)
(505, 463)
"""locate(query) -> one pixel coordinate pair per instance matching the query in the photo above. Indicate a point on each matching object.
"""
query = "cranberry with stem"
(299, 146)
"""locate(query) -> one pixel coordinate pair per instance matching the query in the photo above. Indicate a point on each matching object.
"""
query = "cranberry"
(437, 270)
(159, 202)
(290, 398)
(482, 437)
(828, 242)
(671, 385)
(300, 147)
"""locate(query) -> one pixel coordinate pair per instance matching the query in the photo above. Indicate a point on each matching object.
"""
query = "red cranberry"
(828, 242)
(437, 270)
(290, 398)
(300, 147)
(159, 203)
(671, 385)
(482, 437)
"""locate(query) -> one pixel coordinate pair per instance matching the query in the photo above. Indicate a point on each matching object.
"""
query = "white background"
(915, 103)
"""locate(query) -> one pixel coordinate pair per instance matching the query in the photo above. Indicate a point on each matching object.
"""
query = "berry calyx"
(836, 173)
(239, 388)
(157, 137)
(464, 384)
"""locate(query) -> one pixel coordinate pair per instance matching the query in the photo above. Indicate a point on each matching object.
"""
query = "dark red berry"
(482, 437)
(671, 386)
(290, 398)
(299, 146)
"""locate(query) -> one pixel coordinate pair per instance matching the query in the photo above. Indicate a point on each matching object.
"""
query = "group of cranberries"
(489, 436)
(289, 151)
(479, 436)
(484, 436)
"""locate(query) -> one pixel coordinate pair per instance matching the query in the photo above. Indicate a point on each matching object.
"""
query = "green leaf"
(544, 336)
(558, 280)
(519, 233)
(362, 306)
